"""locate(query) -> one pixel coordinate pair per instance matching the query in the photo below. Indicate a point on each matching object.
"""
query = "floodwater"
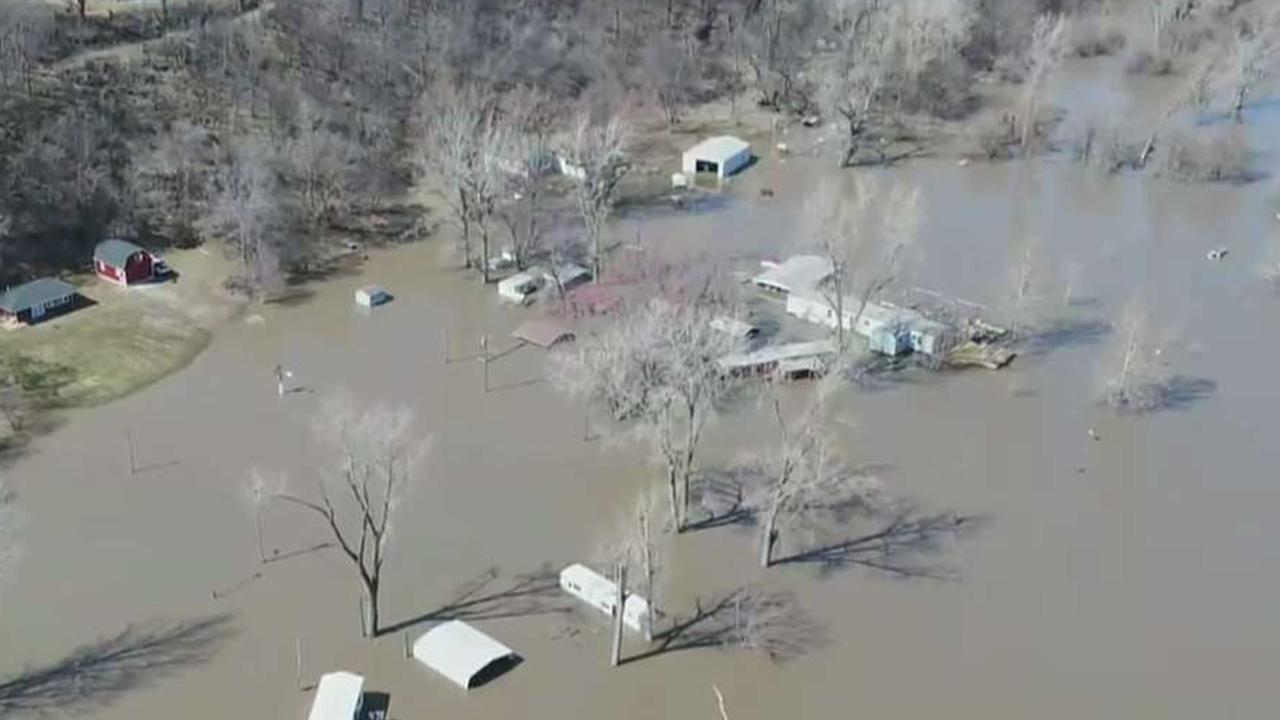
(1130, 576)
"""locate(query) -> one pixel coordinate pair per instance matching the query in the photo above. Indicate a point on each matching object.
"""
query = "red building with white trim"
(124, 263)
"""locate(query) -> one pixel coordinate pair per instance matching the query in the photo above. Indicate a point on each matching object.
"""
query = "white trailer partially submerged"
(338, 697)
(601, 593)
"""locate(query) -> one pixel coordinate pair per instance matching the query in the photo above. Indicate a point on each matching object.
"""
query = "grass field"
(125, 340)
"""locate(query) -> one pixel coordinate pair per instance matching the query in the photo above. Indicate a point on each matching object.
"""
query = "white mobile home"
(889, 330)
(601, 593)
(338, 697)
(720, 156)
(463, 654)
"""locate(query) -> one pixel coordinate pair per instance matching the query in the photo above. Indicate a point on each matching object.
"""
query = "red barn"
(123, 262)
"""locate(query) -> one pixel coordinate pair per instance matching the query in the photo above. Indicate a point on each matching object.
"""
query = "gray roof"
(37, 292)
(115, 252)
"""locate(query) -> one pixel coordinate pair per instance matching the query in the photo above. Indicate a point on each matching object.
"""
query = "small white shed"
(601, 593)
(520, 287)
(372, 296)
(338, 697)
(720, 156)
(463, 654)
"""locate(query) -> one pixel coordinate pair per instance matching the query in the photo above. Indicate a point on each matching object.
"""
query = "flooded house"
(798, 273)
(720, 156)
(123, 263)
(339, 696)
(34, 301)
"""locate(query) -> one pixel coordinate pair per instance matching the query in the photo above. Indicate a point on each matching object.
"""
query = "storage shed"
(338, 697)
(371, 296)
(123, 263)
(32, 302)
(720, 156)
(601, 593)
(519, 288)
(463, 654)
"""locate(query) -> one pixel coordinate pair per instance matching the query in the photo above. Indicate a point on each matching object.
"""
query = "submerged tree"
(376, 458)
(9, 549)
(631, 548)
(1048, 46)
(1136, 376)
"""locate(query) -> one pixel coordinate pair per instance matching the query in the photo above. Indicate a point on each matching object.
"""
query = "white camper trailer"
(601, 593)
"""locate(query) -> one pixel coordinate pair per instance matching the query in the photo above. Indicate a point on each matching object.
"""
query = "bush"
(1193, 155)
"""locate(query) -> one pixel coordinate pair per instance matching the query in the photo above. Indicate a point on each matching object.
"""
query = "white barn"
(720, 156)
(601, 593)
(463, 654)
(338, 697)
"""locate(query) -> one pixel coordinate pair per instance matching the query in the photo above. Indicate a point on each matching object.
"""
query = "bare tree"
(597, 161)
(1136, 375)
(9, 548)
(1254, 55)
(853, 82)
(1029, 281)
(658, 369)
(1048, 45)
(858, 218)
(16, 405)
(792, 474)
(377, 456)
(631, 548)
(244, 209)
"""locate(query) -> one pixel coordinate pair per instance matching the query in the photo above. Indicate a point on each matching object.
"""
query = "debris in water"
(1217, 253)
(255, 319)
(1094, 434)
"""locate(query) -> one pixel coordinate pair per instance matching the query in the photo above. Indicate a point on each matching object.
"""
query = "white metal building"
(720, 156)
(338, 697)
(372, 296)
(462, 653)
(601, 593)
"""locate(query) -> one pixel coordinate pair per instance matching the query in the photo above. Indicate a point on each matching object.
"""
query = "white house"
(601, 593)
(338, 697)
(798, 273)
(720, 156)
(463, 654)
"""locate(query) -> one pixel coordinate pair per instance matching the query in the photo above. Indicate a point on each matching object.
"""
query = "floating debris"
(1217, 253)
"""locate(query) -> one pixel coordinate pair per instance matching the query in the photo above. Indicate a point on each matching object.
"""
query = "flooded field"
(1128, 576)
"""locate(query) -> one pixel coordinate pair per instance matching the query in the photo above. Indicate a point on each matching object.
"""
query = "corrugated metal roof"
(338, 696)
(543, 332)
(37, 292)
(115, 252)
(458, 651)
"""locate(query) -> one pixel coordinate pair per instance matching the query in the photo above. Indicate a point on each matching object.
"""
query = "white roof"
(798, 274)
(337, 696)
(778, 353)
(458, 651)
(718, 149)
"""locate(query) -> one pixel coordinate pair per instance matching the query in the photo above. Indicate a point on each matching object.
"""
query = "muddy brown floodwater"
(1132, 576)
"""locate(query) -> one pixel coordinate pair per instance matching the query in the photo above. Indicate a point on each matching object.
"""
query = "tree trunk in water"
(675, 500)
(767, 538)
(82, 4)
(369, 611)
(484, 254)
(620, 578)
(648, 578)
